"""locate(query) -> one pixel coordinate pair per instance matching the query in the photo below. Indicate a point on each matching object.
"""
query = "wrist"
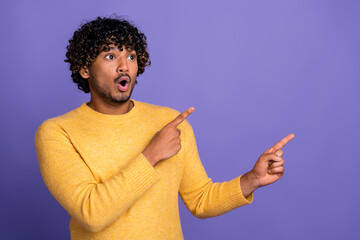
(152, 159)
(253, 179)
(249, 183)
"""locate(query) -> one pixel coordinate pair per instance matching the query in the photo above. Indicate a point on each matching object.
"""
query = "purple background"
(255, 71)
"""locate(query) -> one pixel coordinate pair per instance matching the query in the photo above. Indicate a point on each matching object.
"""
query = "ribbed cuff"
(141, 175)
(236, 199)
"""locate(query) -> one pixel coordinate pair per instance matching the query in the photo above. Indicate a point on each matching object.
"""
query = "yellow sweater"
(93, 165)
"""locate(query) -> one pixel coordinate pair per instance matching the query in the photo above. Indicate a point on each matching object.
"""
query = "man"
(116, 164)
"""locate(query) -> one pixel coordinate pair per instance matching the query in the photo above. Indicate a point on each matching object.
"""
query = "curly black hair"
(89, 40)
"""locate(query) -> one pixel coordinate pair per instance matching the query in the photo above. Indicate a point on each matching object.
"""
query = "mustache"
(120, 76)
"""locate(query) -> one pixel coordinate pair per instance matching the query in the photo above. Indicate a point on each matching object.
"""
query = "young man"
(116, 164)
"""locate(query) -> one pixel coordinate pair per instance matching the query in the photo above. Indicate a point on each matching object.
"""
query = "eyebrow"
(107, 49)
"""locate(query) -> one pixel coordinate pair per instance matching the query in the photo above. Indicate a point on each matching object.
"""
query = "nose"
(123, 65)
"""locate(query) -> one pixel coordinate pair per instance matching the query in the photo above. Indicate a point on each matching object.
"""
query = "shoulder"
(55, 125)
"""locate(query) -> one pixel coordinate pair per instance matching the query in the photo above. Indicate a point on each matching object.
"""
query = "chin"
(120, 99)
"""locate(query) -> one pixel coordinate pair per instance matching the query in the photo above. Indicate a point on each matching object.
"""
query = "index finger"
(182, 116)
(283, 142)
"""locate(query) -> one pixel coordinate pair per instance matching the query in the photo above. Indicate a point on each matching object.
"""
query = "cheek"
(136, 67)
(134, 70)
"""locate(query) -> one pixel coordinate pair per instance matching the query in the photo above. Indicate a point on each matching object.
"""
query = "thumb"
(270, 157)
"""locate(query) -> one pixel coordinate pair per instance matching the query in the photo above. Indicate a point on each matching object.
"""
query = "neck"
(111, 109)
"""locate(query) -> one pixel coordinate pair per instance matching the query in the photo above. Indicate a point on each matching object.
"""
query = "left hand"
(269, 167)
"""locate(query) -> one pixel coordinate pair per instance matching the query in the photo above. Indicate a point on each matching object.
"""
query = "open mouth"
(123, 84)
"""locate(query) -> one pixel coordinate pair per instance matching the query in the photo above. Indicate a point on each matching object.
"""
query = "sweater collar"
(90, 113)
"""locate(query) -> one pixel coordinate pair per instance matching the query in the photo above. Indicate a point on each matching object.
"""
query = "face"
(112, 75)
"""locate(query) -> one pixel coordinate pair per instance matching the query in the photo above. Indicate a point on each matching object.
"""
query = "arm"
(92, 204)
(201, 196)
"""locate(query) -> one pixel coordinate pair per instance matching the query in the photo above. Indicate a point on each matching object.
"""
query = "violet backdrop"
(255, 71)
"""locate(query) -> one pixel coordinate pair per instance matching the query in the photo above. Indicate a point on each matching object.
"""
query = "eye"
(132, 57)
(109, 56)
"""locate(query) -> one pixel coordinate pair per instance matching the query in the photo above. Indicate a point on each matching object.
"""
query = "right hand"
(166, 142)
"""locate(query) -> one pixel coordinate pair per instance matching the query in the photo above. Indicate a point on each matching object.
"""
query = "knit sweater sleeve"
(94, 205)
(202, 197)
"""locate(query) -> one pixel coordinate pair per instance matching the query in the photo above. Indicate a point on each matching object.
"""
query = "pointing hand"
(269, 167)
(166, 142)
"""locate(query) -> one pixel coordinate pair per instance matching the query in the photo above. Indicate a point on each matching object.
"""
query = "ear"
(84, 72)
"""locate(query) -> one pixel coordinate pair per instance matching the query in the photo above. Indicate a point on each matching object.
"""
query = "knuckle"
(276, 157)
(177, 134)
(279, 152)
(173, 134)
